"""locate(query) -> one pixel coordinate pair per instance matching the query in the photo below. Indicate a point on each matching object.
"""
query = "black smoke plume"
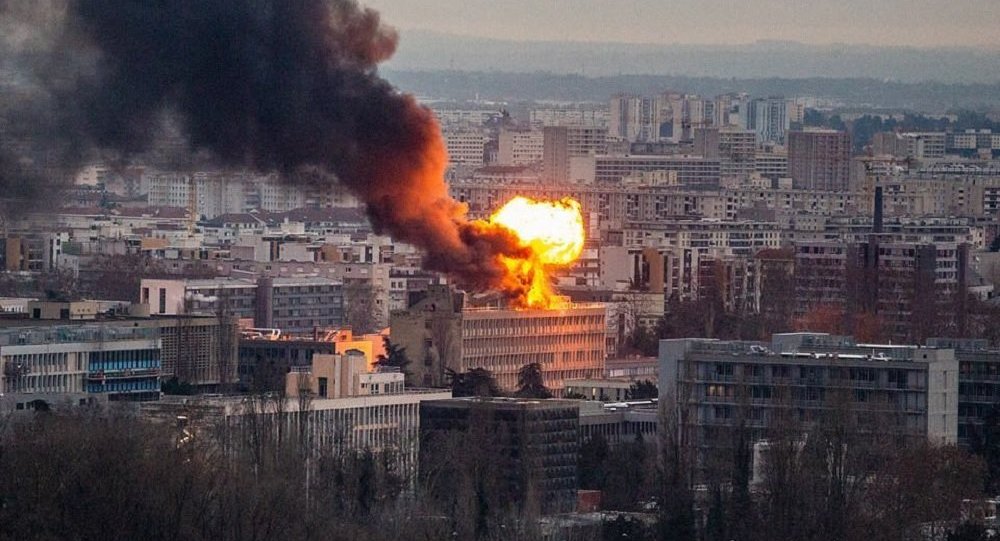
(287, 85)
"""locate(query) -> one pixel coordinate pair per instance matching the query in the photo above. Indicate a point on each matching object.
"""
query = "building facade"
(531, 445)
(819, 159)
(715, 388)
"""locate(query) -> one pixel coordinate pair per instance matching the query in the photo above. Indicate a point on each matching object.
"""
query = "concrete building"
(910, 145)
(631, 118)
(915, 288)
(388, 422)
(564, 146)
(735, 148)
(819, 159)
(716, 386)
(768, 118)
(772, 165)
(465, 147)
(620, 422)
(293, 304)
(440, 332)
(198, 350)
(112, 358)
(519, 146)
(531, 444)
(574, 116)
(978, 384)
(691, 170)
(340, 376)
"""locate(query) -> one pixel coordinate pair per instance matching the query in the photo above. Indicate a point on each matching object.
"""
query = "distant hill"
(863, 93)
(421, 50)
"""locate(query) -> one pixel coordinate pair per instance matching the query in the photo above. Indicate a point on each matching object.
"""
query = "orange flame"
(554, 234)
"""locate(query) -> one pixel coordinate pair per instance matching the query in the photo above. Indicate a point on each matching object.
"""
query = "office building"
(716, 387)
(465, 147)
(116, 359)
(386, 422)
(439, 333)
(530, 446)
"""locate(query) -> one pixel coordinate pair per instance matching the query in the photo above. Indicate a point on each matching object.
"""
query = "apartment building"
(519, 146)
(714, 387)
(691, 170)
(293, 304)
(819, 159)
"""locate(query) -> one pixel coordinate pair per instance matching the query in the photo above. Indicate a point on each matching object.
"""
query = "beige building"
(340, 376)
(439, 333)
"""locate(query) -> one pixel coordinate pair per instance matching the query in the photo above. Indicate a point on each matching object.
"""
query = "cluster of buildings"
(227, 285)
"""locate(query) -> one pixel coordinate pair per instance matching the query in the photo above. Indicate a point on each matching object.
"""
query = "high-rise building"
(634, 118)
(768, 118)
(819, 159)
(530, 446)
(439, 333)
(561, 144)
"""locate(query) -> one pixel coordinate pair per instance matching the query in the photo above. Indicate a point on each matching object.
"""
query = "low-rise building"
(439, 332)
(716, 388)
(531, 443)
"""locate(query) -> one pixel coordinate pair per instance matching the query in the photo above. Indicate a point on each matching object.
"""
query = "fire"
(553, 231)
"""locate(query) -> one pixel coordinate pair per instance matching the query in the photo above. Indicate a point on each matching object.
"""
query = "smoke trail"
(272, 84)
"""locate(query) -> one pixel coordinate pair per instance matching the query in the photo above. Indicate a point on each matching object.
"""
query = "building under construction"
(441, 332)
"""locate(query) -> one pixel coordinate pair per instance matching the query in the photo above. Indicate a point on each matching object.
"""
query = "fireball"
(553, 231)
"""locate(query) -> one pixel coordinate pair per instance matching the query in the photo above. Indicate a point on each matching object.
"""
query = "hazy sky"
(879, 22)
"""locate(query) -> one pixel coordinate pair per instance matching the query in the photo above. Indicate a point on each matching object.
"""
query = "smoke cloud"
(270, 84)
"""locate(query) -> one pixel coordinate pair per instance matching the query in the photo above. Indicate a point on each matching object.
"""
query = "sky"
(919, 23)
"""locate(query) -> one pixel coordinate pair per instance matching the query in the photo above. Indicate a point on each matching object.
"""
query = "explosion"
(270, 85)
(552, 232)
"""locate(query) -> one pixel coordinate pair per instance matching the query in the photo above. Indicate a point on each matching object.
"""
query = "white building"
(465, 147)
(519, 147)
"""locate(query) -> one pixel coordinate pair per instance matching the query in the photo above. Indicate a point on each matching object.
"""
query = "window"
(322, 387)
(163, 301)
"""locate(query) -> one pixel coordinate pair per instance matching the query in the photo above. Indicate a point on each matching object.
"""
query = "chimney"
(877, 220)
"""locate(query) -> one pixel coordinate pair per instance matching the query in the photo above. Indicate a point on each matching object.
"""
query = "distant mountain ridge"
(423, 50)
(861, 93)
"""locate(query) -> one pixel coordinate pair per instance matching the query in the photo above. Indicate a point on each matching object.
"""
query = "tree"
(593, 457)
(971, 531)
(475, 382)
(530, 382)
(640, 390)
(986, 444)
(394, 357)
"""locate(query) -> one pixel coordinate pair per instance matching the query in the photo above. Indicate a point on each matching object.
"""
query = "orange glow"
(554, 233)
